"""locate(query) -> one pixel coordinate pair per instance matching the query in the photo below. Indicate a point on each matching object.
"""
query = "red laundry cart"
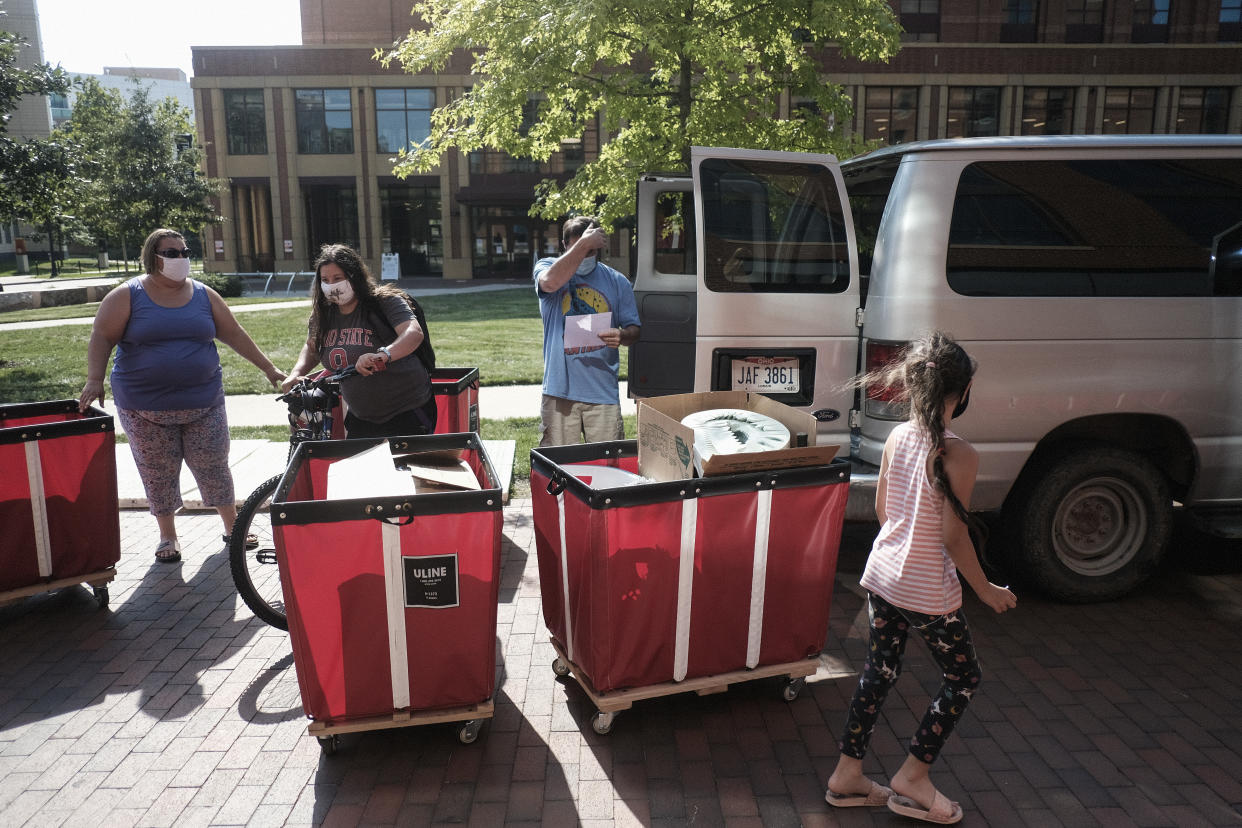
(58, 500)
(457, 402)
(661, 588)
(391, 600)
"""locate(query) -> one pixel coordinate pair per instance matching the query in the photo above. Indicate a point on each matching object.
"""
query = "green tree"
(22, 160)
(661, 75)
(142, 169)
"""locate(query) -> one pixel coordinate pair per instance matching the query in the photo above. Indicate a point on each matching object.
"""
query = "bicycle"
(252, 544)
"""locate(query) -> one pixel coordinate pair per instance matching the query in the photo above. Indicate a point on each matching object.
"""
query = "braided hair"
(932, 370)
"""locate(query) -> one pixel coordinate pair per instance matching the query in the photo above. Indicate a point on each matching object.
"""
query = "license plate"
(767, 375)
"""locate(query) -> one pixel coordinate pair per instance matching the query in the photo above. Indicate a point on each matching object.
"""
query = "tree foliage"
(27, 167)
(141, 169)
(660, 75)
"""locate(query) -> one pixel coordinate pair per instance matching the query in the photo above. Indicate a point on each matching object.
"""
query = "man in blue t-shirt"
(580, 398)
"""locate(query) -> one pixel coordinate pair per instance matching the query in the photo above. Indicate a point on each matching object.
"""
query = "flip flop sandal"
(168, 551)
(877, 796)
(252, 540)
(942, 812)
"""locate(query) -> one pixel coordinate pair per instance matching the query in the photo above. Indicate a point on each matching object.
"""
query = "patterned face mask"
(339, 293)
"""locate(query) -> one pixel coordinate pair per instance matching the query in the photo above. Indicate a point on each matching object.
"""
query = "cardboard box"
(666, 447)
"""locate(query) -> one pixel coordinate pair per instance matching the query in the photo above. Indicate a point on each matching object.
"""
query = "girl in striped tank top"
(922, 502)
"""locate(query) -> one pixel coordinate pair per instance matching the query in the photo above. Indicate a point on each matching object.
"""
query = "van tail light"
(883, 401)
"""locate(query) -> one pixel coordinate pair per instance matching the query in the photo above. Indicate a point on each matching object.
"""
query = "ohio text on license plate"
(767, 375)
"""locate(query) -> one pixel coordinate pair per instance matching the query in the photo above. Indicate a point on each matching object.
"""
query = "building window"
(1084, 21)
(252, 223)
(1230, 29)
(1151, 21)
(920, 20)
(1018, 21)
(892, 114)
(973, 111)
(1129, 110)
(410, 217)
(1047, 110)
(402, 118)
(331, 214)
(325, 122)
(61, 111)
(246, 121)
(1203, 109)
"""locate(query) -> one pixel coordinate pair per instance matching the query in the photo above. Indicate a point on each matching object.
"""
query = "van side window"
(868, 186)
(1128, 227)
(772, 227)
(675, 243)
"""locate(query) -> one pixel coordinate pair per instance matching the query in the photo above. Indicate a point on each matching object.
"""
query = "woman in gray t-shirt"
(352, 316)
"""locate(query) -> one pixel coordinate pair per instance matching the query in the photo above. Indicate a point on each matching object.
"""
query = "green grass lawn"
(499, 332)
(88, 309)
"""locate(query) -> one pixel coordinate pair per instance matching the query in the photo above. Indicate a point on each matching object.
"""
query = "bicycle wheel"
(254, 570)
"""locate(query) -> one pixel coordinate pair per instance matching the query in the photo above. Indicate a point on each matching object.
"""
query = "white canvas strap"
(758, 577)
(394, 598)
(685, 585)
(38, 505)
(569, 624)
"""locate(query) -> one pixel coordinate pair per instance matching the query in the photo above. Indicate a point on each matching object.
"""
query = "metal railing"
(271, 283)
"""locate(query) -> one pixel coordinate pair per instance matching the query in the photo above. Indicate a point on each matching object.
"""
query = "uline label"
(431, 581)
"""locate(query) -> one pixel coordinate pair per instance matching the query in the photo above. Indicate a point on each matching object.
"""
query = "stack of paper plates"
(603, 477)
(733, 431)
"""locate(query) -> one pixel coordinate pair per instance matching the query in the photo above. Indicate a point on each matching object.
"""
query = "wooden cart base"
(609, 703)
(472, 716)
(97, 581)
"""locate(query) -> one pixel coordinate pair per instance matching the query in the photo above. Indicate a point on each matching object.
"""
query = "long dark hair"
(932, 370)
(366, 289)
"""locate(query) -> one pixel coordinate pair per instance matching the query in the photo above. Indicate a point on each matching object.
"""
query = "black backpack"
(425, 353)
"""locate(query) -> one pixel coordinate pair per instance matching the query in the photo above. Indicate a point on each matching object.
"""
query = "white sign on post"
(390, 266)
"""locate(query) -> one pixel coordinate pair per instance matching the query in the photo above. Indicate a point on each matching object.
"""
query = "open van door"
(662, 361)
(777, 281)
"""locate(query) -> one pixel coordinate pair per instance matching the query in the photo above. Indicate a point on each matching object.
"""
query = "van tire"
(1091, 523)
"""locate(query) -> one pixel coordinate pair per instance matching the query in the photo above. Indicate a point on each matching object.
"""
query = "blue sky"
(86, 35)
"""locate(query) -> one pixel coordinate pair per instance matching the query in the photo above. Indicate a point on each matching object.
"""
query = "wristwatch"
(383, 349)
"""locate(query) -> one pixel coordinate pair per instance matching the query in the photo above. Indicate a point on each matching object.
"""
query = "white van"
(1096, 279)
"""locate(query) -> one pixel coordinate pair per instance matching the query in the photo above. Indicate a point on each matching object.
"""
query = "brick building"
(305, 134)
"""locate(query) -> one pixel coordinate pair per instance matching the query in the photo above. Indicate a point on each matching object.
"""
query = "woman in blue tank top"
(167, 380)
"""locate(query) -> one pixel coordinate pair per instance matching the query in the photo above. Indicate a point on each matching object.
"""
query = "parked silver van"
(1096, 279)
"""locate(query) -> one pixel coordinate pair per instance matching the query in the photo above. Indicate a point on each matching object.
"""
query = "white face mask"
(340, 293)
(176, 269)
(588, 264)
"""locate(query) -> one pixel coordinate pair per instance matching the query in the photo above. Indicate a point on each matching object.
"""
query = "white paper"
(583, 330)
(370, 473)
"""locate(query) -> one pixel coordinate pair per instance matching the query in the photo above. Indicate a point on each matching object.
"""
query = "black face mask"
(960, 408)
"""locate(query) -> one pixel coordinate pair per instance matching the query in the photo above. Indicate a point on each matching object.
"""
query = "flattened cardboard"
(666, 447)
(453, 475)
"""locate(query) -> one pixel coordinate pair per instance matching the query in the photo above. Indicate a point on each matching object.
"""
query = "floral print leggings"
(160, 440)
(948, 639)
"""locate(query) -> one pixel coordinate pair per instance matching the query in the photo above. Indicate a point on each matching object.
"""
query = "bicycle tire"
(255, 573)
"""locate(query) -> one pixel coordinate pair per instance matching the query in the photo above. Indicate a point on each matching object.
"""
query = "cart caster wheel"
(329, 744)
(601, 723)
(469, 731)
(792, 688)
(101, 596)
(560, 667)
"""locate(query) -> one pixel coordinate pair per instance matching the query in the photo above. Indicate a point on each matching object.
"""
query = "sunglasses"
(174, 253)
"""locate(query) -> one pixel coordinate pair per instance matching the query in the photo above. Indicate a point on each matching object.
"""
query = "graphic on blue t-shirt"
(579, 300)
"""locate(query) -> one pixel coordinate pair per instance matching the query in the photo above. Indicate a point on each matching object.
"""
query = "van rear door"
(778, 281)
(662, 361)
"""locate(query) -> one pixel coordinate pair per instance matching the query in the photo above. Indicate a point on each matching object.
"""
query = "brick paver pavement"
(175, 707)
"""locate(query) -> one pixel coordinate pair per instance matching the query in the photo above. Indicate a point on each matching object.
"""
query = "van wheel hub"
(1099, 526)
